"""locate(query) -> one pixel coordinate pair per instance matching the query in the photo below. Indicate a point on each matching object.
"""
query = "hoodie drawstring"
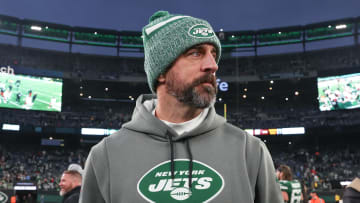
(172, 162)
(190, 163)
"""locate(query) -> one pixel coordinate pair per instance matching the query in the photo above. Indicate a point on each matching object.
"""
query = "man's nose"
(209, 64)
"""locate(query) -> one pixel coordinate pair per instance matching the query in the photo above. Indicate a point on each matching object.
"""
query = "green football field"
(336, 83)
(48, 92)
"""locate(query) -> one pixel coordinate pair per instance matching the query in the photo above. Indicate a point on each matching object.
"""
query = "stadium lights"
(52, 142)
(296, 93)
(25, 188)
(277, 131)
(244, 96)
(245, 89)
(271, 81)
(11, 127)
(343, 26)
(270, 88)
(345, 183)
(97, 131)
(106, 89)
(96, 38)
(262, 97)
(279, 33)
(293, 131)
(220, 99)
(221, 30)
(36, 28)
(286, 99)
(329, 26)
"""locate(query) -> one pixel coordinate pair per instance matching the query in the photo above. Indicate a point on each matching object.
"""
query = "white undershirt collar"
(187, 126)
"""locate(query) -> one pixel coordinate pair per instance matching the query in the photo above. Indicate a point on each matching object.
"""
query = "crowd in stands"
(290, 117)
(96, 67)
(251, 117)
(316, 167)
(320, 168)
(27, 163)
(90, 116)
(330, 59)
(90, 67)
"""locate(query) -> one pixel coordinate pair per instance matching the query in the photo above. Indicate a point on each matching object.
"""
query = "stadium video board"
(277, 131)
(30, 92)
(339, 92)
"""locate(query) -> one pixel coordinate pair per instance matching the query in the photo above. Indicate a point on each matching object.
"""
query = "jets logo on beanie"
(167, 36)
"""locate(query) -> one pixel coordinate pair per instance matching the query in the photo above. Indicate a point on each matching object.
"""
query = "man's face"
(278, 175)
(191, 79)
(66, 184)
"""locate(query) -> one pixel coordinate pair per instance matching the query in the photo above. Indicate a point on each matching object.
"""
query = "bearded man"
(176, 148)
(70, 185)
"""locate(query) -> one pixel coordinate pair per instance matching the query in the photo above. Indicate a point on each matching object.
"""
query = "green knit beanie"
(167, 36)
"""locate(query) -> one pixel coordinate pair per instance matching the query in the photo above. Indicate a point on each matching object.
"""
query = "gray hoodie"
(146, 161)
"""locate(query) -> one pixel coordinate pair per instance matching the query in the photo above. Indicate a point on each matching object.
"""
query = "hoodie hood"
(144, 121)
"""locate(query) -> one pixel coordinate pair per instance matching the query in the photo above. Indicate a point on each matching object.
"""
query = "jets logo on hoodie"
(157, 185)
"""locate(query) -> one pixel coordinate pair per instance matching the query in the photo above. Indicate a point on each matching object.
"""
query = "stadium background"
(47, 142)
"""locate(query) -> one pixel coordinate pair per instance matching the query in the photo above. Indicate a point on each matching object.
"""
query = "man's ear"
(161, 79)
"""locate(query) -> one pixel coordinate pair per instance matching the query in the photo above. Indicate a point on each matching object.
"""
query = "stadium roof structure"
(334, 22)
(131, 41)
(9, 18)
(44, 24)
(95, 30)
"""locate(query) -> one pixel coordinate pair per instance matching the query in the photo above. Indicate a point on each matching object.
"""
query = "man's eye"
(214, 53)
(195, 53)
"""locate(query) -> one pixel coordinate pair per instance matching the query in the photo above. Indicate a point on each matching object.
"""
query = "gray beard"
(193, 98)
(190, 96)
(62, 192)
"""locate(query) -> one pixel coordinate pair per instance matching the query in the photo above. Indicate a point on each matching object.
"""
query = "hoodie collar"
(189, 125)
(144, 121)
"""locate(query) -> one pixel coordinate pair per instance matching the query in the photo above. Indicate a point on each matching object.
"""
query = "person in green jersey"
(290, 189)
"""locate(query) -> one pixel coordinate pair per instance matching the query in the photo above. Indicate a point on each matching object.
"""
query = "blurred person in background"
(75, 167)
(70, 185)
(315, 198)
(290, 188)
(352, 192)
